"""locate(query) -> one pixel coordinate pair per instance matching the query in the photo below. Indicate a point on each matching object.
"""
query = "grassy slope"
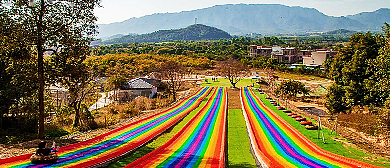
(158, 141)
(239, 154)
(339, 147)
(225, 83)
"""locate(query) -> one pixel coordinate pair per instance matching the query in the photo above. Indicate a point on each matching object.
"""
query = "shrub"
(63, 115)
(114, 110)
(142, 103)
(130, 109)
(54, 133)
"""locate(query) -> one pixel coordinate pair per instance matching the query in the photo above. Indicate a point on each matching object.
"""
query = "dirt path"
(234, 101)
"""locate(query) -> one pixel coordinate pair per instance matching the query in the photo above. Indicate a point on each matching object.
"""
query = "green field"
(341, 146)
(239, 154)
(165, 137)
(225, 83)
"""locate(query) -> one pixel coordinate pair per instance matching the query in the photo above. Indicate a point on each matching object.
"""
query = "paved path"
(102, 102)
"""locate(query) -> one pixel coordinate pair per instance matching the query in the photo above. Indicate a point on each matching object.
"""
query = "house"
(318, 57)
(289, 54)
(305, 53)
(139, 87)
(260, 51)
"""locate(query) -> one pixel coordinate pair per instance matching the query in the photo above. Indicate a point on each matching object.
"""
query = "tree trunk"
(40, 43)
(1, 118)
(114, 94)
(173, 90)
(174, 97)
(76, 121)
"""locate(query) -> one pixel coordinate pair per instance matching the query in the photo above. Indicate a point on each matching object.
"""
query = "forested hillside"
(195, 32)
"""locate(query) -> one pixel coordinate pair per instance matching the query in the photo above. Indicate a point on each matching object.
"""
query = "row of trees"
(142, 64)
(215, 50)
(120, 67)
(223, 49)
(361, 72)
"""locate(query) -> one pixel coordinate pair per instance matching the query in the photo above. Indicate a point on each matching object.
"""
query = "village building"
(260, 51)
(139, 87)
(318, 57)
(289, 54)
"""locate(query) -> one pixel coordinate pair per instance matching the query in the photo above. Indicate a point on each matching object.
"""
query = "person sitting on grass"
(43, 150)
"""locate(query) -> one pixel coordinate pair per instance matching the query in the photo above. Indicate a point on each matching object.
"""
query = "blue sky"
(120, 10)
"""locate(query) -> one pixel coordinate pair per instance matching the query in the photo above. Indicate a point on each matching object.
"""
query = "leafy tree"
(291, 88)
(351, 68)
(17, 70)
(74, 75)
(379, 83)
(117, 77)
(173, 73)
(336, 99)
(361, 72)
(233, 70)
(47, 23)
(272, 63)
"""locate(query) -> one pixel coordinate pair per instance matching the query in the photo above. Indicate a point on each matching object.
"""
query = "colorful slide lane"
(275, 143)
(201, 143)
(107, 147)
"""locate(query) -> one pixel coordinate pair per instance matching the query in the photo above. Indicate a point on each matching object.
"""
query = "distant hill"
(241, 19)
(194, 32)
(373, 20)
(340, 32)
(117, 36)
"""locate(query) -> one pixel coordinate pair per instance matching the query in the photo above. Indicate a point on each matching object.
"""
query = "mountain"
(241, 19)
(373, 20)
(194, 32)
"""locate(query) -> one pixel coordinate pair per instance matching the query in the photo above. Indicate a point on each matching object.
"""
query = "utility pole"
(97, 98)
(57, 99)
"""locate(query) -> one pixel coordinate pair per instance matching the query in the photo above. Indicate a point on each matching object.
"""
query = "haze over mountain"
(241, 19)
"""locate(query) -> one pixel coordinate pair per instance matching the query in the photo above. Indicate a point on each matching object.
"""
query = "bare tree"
(233, 70)
(172, 73)
(271, 78)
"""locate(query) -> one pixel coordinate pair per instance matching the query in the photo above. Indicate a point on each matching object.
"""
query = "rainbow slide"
(275, 143)
(108, 147)
(201, 143)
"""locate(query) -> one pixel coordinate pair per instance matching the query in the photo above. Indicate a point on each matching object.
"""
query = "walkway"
(102, 102)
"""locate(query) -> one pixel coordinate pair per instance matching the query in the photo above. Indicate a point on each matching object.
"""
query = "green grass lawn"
(239, 154)
(225, 83)
(341, 146)
(158, 141)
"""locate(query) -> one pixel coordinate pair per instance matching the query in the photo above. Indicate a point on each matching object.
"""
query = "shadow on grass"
(241, 165)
